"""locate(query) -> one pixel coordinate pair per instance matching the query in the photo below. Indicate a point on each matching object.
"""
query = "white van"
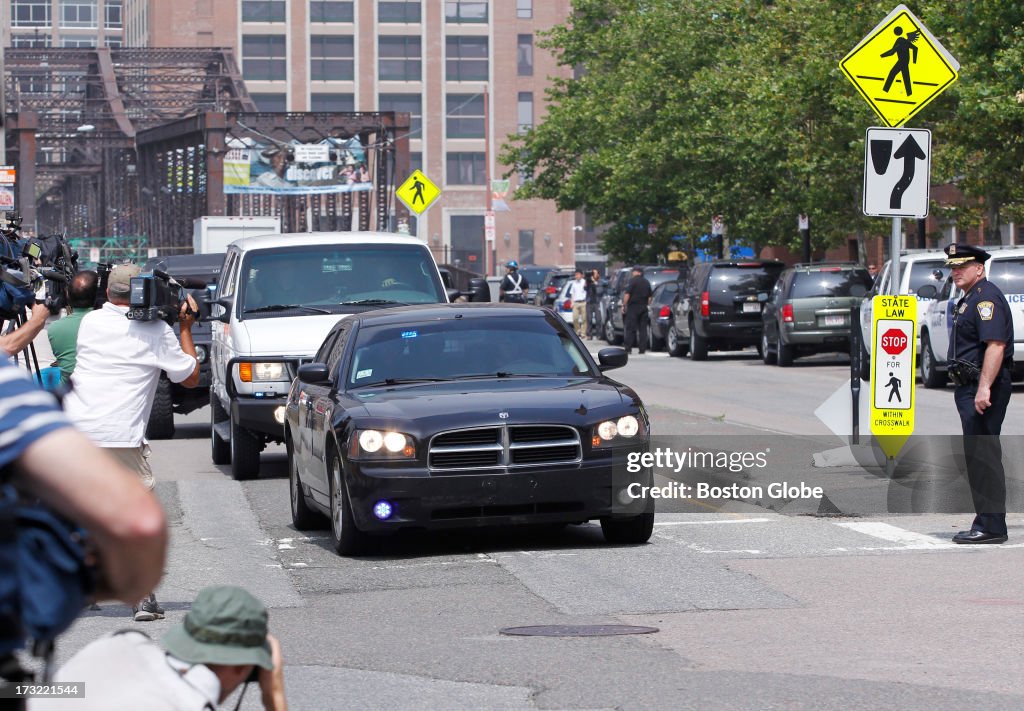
(1006, 270)
(277, 298)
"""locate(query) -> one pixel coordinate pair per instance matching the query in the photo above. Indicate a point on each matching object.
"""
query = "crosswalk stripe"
(907, 539)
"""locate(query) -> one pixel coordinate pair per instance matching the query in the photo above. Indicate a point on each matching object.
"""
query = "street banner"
(333, 166)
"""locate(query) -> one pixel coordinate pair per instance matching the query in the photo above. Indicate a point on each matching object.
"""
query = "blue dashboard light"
(410, 334)
(383, 510)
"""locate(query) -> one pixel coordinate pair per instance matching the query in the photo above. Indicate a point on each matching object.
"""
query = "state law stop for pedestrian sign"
(892, 370)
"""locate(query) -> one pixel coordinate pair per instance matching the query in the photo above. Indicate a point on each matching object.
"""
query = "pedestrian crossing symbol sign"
(899, 67)
(418, 192)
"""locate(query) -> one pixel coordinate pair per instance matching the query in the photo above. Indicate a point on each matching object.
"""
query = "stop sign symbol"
(894, 341)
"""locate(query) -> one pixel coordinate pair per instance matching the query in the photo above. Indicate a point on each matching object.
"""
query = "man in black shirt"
(514, 287)
(634, 308)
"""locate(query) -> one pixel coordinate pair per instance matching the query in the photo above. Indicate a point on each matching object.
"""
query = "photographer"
(116, 375)
(43, 456)
(16, 341)
(63, 334)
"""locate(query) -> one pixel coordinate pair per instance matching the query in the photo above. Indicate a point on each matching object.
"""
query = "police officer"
(980, 360)
(634, 309)
(514, 286)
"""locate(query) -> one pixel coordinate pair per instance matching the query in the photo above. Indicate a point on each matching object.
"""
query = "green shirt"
(63, 337)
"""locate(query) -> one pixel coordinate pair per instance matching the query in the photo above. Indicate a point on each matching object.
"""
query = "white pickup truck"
(1006, 270)
(278, 297)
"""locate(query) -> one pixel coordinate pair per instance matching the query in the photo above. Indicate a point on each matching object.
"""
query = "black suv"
(613, 326)
(170, 397)
(809, 311)
(719, 307)
(546, 292)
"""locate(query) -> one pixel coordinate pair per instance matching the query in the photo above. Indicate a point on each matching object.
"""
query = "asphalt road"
(755, 609)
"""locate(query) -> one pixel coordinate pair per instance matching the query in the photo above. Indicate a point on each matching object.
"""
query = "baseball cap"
(226, 625)
(120, 280)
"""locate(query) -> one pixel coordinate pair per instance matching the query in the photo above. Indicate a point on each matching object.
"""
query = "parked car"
(171, 398)
(659, 313)
(1006, 270)
(614, 327)
(917, 268)
(534, 276)
(515, 424)
(563, 304)
(719, 307)
(809, 311)
(265, 334)
(547, 292)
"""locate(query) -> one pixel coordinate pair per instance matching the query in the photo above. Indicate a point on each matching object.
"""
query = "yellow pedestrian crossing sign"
(418, 192)
(899, 67)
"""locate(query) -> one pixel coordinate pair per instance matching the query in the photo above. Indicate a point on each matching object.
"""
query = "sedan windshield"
(326, 276)
(465, 348)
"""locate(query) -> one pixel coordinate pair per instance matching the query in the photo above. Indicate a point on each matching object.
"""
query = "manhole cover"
(577, 630)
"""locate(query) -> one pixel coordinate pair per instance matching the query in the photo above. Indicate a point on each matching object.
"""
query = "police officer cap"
(513, 264)
(957, 254)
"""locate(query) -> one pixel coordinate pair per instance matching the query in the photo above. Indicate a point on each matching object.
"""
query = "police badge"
(986, 309)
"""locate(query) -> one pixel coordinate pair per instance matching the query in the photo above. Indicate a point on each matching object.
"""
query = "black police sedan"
(462, 415)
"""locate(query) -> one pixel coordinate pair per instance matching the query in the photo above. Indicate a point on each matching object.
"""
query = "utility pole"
(490, 258)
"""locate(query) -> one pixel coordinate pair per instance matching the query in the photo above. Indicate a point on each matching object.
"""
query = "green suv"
(809, 311)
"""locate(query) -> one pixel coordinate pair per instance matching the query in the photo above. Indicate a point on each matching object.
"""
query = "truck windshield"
(329, 276)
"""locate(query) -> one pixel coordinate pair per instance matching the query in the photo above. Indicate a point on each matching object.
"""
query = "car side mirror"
(313, 373)
(220, 309)
(612, 358)
(927, 291)
(479, 291)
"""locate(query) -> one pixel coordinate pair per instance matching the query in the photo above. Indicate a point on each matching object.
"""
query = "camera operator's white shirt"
(117, 372)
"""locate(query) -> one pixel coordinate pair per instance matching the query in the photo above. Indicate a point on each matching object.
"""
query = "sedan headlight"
(381, 444)
(263, 373)
(619, 431)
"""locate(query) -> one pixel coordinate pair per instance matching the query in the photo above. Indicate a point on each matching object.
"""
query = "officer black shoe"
(979, 537)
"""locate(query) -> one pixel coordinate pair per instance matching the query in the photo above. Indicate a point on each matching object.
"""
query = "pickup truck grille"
(503, 447)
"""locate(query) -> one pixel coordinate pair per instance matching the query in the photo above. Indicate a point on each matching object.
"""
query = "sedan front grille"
(503, 447)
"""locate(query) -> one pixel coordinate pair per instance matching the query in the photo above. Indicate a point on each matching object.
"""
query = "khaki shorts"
(136, 459)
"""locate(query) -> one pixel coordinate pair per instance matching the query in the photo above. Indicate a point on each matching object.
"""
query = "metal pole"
(489, 249)
(894, 254)
(855, 368)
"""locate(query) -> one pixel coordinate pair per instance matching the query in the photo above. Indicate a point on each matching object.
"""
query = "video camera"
(159, 296)
(32, 260)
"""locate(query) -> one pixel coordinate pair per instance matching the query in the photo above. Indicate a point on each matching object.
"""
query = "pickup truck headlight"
(381, 444)
(263, 373)
(200, 354)
(619, 431)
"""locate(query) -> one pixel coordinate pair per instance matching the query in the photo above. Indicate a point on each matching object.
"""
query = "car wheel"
(766, 354)
(220, 450)
(161, 417)
(785, 354)
(635, 529)
(303, 517)
(672, 342)
(698, 345)
(245, 453)
(346, 537)
(609, 332)
(931, 377)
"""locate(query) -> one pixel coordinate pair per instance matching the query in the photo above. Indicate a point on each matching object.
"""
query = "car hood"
(440, 406)
(294, 335)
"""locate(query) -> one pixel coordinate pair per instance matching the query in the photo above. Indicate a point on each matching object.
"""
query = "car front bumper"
(532, 495)
(258, 415)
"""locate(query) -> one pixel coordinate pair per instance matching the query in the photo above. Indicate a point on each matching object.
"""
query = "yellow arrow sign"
(418, 192)
(899, 67)
(894, 319)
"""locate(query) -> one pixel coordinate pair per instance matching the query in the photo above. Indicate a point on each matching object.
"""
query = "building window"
(524, 111)
(30, 41)
(331, 57)
(466, 58)
(327, 11)
(77, 42)
(113, 17)
(524, 55)
(30, 13)
(526, 249)
(78, 13)
(399, 58)
(416, 161)
(398, 11)
(270, 102)
(409, 103)
(524, 9)
(263, 10)
(467, 242)
(113, 42)
(264, 57)
(332, 102)
(465, 11)
(465, 116)
(465, 168)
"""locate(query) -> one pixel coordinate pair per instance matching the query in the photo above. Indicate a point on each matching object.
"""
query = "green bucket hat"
(226, 625)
